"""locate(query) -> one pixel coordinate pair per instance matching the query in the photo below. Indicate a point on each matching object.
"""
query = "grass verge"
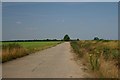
(100, 56)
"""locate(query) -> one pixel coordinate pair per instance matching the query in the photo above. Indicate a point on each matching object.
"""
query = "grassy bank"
(100, 56)
(13, 50)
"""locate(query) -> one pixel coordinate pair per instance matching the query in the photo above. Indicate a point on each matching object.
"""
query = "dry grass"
(13, 51)
(108, 69)
(100, 56)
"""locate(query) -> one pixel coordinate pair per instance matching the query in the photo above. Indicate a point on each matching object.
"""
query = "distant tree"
(54, 39)
(96, 38)
(47, 39)
(66, 38)
(77, 39)
(101, 39)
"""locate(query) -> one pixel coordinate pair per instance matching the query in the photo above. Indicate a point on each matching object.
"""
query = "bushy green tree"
(96, 38)
(66, 38)
(77, 39)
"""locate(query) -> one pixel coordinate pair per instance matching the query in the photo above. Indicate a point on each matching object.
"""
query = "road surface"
(55, 62)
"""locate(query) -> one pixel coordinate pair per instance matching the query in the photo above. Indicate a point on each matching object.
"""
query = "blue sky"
(60, 0)
(84, 20)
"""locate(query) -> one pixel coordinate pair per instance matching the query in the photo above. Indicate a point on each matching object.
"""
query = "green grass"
(0, 45)
(13, 50)
(101, 56)
(35, 45)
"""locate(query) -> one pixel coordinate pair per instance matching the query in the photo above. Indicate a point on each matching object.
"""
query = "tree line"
(65, 38)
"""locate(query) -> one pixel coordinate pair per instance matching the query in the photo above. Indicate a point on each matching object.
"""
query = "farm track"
(55, 62)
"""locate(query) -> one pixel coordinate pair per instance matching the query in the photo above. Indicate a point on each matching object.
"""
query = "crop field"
(13, 50)
(33, 45)
(102, 57)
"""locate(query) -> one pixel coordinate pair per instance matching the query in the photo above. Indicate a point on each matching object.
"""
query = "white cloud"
(18, 22)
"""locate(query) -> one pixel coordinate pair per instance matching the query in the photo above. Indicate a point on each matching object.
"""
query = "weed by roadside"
(102, 56)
